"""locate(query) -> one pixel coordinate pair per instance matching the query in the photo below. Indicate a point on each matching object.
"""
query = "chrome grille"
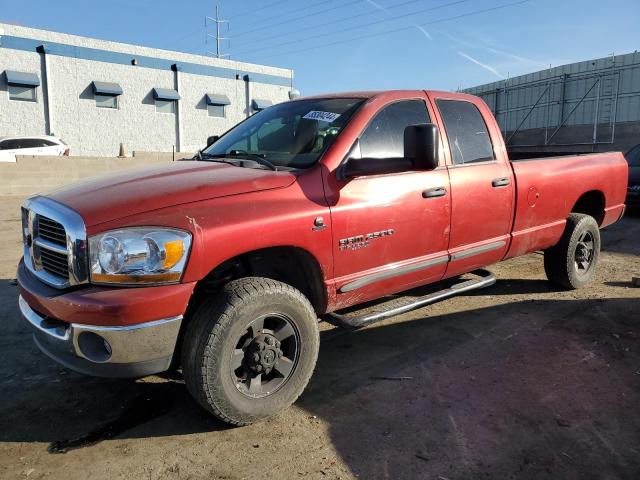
(54, 262)
(52, 231)
(55, 242)
(50, 241)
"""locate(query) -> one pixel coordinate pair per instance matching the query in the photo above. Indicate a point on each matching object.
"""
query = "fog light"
(94, 347)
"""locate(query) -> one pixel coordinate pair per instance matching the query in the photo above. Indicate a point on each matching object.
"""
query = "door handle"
(500, 182)
(434, 192)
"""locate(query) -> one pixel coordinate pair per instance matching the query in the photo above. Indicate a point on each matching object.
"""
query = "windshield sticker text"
(322, 116)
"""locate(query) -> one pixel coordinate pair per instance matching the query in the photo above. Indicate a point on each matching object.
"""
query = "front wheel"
(571, 263)
(249, 351)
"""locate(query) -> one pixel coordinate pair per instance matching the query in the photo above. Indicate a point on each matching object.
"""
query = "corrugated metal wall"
(606, 91)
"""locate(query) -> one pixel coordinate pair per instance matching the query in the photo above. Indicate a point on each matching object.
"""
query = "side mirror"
(212, 139)
(421, 144)
(356, 166)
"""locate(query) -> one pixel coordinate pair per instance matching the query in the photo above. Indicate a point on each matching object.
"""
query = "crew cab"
(222, 265)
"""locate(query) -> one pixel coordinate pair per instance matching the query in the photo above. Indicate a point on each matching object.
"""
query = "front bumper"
(129, 351)
(104, 332)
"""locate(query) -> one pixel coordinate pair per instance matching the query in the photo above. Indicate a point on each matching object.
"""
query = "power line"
(348, 29)
(377, 34)
(340, 20)
(299, 18)
(306, 7)
(184, 37)
(254, 10)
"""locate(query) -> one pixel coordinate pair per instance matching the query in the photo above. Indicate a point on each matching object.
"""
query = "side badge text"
(363, 241)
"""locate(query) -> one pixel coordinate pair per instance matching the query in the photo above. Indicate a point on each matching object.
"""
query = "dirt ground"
(519, 380)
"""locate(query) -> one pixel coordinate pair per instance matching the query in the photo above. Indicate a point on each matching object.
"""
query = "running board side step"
(486, 279)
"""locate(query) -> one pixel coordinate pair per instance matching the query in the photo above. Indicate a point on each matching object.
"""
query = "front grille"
(54, 262)
(55, 243)
(52, 231)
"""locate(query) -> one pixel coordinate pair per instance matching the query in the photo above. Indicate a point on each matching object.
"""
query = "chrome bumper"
(127, 351)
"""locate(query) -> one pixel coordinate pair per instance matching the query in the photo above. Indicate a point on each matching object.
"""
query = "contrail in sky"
(480, 64)
(386, 10)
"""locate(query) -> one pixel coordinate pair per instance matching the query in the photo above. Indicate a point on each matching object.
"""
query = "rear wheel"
(571, 263)
(249, 351)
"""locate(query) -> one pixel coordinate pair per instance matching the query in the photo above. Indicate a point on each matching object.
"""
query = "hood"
(110, 197)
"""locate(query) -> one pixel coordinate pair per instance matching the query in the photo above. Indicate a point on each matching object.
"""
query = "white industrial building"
(96, 94)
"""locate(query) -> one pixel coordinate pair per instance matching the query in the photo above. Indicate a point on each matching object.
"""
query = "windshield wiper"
(236, 154)
(253, 156)
(208, 157)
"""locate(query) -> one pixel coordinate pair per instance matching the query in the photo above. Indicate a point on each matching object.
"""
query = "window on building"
(216, 110)
(165, 106)
(468, 136)
(23, 93)
(106, 101)
(22, 85)
(166, 99)
(106, 94)
(384, 136)
(216, 104)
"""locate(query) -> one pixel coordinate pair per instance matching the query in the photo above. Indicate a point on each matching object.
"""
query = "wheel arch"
(591, 203)
(294, 266)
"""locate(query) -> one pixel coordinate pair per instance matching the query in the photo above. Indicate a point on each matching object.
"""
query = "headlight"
(139, 255)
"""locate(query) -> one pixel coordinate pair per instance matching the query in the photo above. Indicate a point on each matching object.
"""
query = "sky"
(346, 45)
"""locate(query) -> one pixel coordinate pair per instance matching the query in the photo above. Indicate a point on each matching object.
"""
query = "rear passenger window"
(384, 137)
(469, 138)
(31, 143)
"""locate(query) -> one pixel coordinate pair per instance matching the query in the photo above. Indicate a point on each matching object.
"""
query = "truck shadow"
(457, 395)
(511, 391)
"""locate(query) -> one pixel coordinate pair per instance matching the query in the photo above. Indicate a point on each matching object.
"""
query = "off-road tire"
(211, 335)
(560, 260)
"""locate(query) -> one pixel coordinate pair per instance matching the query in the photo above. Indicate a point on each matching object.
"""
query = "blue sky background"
(340, 45)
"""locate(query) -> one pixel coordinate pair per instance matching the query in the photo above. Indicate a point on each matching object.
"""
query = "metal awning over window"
(107, 88)
(165, 94)
(21, 78)
(260, 104)
(214, 99)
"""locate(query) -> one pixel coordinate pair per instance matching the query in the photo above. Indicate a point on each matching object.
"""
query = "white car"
(33, 145)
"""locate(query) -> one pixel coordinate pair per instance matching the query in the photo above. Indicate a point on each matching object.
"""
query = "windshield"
(291, 134)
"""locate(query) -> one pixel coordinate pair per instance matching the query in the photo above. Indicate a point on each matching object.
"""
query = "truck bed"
(549, 188)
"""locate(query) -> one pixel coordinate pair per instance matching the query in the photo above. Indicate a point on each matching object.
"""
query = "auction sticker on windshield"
(322, 116)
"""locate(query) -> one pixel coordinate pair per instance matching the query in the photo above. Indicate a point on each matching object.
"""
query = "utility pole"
(218, 21)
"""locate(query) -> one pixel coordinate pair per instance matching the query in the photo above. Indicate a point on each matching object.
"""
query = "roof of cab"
(375, 93)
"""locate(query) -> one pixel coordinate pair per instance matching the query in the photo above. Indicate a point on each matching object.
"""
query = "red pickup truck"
(224, 264)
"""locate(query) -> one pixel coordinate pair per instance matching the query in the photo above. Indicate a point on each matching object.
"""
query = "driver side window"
(384, 136)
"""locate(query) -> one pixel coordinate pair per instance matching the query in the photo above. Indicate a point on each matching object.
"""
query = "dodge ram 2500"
(224, 264)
